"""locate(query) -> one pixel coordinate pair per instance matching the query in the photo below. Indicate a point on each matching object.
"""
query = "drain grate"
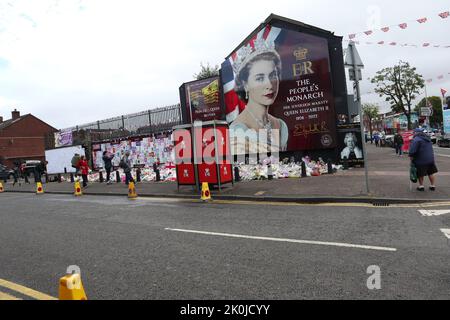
(380, 204)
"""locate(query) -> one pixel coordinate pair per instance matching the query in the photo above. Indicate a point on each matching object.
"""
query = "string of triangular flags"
(431, 80)
(395, 43)
(403, 26)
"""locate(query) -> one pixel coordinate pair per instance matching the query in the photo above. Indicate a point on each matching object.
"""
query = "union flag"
(403, 25)
(385, 29)
(423, 20)
(443, 91)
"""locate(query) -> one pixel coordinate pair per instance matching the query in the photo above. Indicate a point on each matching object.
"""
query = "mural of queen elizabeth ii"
(257, 80)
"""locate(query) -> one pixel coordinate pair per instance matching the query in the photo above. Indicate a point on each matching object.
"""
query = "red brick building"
(23, 138)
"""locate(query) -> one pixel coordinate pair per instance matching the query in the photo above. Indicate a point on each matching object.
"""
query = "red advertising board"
(202, 154)
(186, 174)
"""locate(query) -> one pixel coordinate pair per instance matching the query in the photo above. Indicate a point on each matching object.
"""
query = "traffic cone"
(132, 191)
(206, 194)
(71, 288)
(1, 188)
(78, 191)
(39, 188)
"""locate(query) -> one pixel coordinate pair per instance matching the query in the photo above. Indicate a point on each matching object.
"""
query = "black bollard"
(237, 176)
(345, 163)
(59, 177)
(71, 178)
(304, 175)
(138, 175)
(117, 177)
(101, 177)
(269, 172)
(330, 167)
(158, 176)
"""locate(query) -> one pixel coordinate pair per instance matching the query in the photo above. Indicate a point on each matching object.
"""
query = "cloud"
(73, 61)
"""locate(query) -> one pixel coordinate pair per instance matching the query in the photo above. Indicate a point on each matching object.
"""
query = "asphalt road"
(131, 250)
(442, 152)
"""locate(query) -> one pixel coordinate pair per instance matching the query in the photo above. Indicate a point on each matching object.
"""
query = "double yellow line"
(22, 290)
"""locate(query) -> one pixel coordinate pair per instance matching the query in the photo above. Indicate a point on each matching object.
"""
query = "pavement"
(388, 183)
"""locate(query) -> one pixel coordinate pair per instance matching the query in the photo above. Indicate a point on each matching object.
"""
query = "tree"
(371, 111)
(436, 102)
(207, 71)
(399, 85)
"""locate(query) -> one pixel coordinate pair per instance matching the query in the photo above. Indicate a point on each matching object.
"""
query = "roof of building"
(8, 123)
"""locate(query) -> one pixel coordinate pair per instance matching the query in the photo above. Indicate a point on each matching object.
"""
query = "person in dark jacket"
(422, 155)
(107, 159)
(398, 142)
(127, 168)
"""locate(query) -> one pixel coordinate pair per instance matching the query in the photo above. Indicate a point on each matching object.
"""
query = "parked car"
(30, 165)
(6, 173)
(389, 140)
(432, 136)
(444, 142)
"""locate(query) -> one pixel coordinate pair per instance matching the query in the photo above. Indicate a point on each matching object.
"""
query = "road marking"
(442, 155)
(446, 232)
(430, 213)
(26, 291)
(322, 243)
(5, 296)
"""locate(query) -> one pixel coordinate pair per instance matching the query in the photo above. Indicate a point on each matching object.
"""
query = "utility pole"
(353, 61)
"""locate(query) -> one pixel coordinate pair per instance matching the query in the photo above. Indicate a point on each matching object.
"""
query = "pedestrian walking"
(398, 142)
(84, 169)
(377, 139)
(76, 163)
(17, 174)
(107, 159)
(125, 164)
(23, 172)
(422, 156)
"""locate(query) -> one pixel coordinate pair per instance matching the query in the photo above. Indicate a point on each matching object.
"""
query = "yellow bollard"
(71, 288)
(78, 191)
(132, 191)
(1, 188)
(39, 188)
(206, 194)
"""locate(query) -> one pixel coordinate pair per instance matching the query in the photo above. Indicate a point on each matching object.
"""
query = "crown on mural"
(300, 53)
(247, 53)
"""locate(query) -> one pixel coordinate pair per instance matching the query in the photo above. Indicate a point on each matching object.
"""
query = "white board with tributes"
(60, 159)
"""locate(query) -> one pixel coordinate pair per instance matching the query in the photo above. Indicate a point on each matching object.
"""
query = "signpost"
(354, 63)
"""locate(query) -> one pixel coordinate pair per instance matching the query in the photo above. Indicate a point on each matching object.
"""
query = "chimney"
(15, 114)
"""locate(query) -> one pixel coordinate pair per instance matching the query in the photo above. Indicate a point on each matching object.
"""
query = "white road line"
(334, 244)
(442, 155)
(430, 213)
(446, 232)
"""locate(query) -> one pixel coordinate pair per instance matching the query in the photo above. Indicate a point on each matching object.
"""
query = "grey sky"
(74, 61)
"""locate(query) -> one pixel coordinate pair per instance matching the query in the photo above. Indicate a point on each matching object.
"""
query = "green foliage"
(399, 85)
(371, 111)
(207, 72)
(436, 102)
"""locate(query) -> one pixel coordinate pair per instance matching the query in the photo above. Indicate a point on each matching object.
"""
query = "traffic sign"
(426, 112)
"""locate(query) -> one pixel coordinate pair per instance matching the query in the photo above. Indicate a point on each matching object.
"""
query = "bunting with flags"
(403, 26)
